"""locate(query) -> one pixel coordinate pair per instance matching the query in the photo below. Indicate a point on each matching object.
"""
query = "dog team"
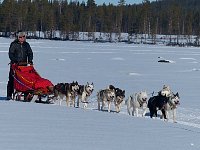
(165, 100)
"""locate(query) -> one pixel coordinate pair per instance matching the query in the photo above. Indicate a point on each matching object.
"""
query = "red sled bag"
(26, 79)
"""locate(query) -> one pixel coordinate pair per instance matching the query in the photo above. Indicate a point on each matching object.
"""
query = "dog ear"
(123, 92)
(111, 87)
(177, 94)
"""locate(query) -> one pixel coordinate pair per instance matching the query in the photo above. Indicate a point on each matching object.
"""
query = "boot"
(10, 91)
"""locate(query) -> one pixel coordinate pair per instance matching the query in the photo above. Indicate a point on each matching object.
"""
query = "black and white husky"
(156, 103)
(137, 101)
(119, 98)
(165, 104)
(84, 93)
(67, 90)
(172, 105)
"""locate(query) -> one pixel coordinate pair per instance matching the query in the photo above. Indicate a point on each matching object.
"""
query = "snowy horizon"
(115, 2)
(131, 67)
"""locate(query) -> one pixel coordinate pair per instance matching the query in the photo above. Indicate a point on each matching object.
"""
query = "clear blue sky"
(115, 2)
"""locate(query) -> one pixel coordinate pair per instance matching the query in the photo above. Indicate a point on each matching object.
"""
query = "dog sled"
(30, 86)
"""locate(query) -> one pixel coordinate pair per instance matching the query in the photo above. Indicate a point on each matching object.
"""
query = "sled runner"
(29, 85)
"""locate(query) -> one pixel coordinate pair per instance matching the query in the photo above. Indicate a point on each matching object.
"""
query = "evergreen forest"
(161, 17)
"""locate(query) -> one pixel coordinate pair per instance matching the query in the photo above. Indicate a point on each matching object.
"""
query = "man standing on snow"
(20, 53)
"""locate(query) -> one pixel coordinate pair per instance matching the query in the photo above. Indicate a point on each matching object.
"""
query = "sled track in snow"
(185, 116)
(189, 117)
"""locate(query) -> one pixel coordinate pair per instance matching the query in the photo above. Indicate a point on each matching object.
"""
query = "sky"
(115, 2)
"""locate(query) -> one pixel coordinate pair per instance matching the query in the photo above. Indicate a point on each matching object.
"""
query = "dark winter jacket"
(20, 52)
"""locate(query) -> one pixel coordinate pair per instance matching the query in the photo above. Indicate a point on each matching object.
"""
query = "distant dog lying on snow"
(136, 102)
(69, 90)
(83, 93)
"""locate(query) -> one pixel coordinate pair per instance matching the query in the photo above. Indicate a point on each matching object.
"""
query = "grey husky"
(109, 95)
(105, 96)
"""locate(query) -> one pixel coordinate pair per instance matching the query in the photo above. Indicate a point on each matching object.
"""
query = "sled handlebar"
(23, 63)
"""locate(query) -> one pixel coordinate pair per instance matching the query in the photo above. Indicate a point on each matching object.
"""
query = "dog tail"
(128, 104)
(127, 101)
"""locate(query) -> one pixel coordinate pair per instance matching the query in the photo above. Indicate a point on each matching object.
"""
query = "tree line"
(167, 17)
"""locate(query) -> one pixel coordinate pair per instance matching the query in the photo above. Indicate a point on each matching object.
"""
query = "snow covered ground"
(127, 66)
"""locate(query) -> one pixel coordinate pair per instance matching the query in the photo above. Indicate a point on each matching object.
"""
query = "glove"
(13, 62)
(30, 62)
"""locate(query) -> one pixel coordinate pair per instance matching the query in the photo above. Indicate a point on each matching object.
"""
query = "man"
(20, 53)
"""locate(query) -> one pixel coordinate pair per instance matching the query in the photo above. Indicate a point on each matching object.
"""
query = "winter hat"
(21, 33)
